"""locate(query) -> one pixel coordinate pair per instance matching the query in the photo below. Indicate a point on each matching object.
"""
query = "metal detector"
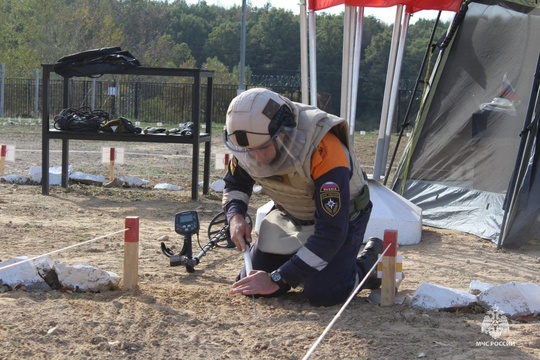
(186, 223)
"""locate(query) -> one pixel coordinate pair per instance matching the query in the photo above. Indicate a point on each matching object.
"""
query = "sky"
(386, 15)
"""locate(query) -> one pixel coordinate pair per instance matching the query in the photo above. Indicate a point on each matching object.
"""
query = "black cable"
(82, 119)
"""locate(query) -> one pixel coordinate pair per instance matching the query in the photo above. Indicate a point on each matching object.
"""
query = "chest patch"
(330, 198)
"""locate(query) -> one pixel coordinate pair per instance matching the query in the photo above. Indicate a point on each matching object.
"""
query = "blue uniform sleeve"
(237, 191)
(331, 227)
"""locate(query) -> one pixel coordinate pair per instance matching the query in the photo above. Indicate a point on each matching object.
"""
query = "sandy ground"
(179, 315)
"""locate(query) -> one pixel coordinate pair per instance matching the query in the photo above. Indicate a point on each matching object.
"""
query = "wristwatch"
(275, 276)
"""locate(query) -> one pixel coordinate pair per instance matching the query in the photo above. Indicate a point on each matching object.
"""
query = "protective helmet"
(257, 118)
(254, 117)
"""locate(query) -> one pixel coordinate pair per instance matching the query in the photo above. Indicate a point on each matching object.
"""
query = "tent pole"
(304, 74)
(312, 58)
(348, 28)
(356, 70)
(241, 85)
(458, 20)
(379, 152)
(395, 89)
(430, 48)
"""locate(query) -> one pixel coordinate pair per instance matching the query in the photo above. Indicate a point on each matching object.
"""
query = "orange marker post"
(131, 253)
(388, 286)
(111, 164)
(3, 153)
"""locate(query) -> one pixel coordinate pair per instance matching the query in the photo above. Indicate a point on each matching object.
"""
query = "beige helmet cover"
(252, 111)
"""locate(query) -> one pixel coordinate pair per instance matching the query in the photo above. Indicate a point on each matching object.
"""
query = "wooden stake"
(3, 153)
(131, 253)
(111, 164)
(388, 286)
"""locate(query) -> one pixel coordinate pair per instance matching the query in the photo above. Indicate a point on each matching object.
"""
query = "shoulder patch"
(330, 198)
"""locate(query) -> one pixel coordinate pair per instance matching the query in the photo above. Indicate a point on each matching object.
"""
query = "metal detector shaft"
(188, 261)
(212, 243)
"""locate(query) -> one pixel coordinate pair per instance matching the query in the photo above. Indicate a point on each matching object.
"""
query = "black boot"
(368, 257)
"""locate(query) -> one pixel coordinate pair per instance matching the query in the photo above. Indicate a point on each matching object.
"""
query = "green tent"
(472, 162)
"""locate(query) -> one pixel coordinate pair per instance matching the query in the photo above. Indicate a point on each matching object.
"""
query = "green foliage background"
(175, 34)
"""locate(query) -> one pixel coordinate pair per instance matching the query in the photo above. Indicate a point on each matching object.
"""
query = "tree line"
(181, 35)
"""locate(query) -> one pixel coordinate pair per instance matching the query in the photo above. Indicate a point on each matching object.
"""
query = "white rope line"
(147, 154)
(59, 250)
(352, 296)
(100, 152)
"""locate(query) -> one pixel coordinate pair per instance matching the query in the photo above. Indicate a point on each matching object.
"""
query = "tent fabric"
(526, 223)
(522, 220)
(412, 6)
(461, 157)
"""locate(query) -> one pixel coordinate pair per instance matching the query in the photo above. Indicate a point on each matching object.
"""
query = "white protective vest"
(293, 192)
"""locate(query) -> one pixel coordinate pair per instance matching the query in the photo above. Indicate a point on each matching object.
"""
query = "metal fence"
(151, 102)
(148, 101)
(145, 100)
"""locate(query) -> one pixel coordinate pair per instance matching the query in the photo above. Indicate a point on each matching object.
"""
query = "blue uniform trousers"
(333, 284)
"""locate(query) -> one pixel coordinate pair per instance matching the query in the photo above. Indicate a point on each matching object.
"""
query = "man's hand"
(240, 232)
(257, 282)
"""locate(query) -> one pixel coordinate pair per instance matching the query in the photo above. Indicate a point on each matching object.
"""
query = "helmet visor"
(244, 139)
(287, 144)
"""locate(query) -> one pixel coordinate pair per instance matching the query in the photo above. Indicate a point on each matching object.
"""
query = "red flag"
(323, 4)
(506, 90)
(446, 5)
(412, 5)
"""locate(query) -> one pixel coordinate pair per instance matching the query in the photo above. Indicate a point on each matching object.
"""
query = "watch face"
(276, 277)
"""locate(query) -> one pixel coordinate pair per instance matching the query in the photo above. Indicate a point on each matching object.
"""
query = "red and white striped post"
(388, 286)
(3, 153)
(131, 253)
(222, 161)
(111, 163)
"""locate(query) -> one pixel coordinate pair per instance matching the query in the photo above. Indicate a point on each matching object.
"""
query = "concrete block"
(476, 287)
(22, 274)
(514, 299)
(55, 174)
(14, 179)
(435, 297)
(83, 277)
(132, 181)
(165, 186)
(88, 179)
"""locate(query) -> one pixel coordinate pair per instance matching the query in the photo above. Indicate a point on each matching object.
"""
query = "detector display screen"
(186, 222)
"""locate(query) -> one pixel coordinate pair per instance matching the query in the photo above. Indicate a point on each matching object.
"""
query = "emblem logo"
(495, 324)
(330, 198)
